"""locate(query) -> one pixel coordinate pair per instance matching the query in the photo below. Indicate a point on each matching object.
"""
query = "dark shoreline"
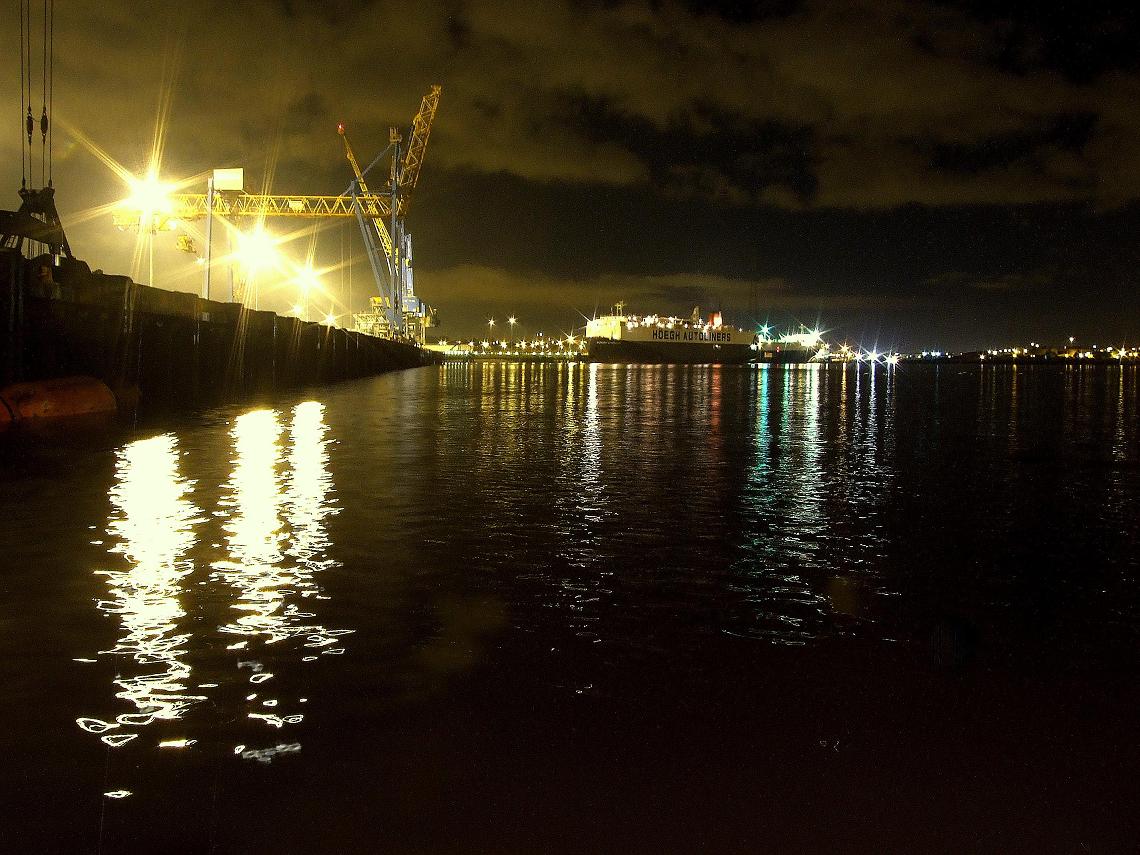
(166, 348)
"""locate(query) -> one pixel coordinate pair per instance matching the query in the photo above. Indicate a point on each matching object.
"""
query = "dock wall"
(168, 347)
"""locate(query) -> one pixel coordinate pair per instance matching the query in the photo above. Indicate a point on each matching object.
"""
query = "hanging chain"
(43, 112)
(51, 84)
(47, 93)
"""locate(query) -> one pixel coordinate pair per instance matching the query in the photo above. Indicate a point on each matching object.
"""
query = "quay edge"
(58, 318)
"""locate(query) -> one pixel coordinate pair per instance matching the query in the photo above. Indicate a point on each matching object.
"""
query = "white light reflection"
(578, 580)
(266, 755)
(785, 492)
(275, 533)
(253, 529)
(581, 507)
(152, 527)
(1120, 420)
(310, 485)
(591, 471)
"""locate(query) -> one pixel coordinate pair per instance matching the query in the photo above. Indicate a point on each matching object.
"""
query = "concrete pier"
(60, 319)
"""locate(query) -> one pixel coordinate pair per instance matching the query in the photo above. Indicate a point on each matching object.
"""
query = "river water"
(582, 608)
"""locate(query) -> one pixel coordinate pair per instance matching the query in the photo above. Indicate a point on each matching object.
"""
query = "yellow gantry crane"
(398, 307)
(397, 310)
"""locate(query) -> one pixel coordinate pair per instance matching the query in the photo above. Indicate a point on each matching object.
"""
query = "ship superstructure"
(803, 346)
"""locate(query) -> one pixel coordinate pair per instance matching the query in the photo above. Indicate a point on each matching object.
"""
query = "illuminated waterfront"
(572, 607)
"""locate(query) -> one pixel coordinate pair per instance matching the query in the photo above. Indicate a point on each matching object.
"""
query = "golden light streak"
(152, 527)
(256, 531)
(273, 518)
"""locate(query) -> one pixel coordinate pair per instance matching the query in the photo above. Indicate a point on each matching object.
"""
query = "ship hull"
(784, 355)
(666, 352)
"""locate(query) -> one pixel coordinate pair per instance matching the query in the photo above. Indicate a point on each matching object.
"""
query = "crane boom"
(192, 206)
(352, 159)
(365, 196)
(417, 145)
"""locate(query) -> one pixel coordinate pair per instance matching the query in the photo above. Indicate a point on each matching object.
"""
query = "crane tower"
(397, 309)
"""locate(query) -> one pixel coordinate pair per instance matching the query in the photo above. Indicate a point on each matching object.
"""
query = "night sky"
(910, 175)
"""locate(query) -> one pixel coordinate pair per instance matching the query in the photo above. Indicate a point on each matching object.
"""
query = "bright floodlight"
(257, 249)
(308, 279)
(297, 310)
(149, 196)
(330, 319)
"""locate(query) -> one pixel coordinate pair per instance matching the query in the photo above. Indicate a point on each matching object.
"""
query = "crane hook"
(44, 125)
(31, 123)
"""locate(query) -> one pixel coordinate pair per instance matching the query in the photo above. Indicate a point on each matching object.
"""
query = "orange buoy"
(64, 396)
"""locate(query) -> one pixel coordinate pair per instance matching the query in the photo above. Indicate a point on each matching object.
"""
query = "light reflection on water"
(546, 547)
(271, 565)
(310, 487)
(272, 511)
(582, 508)
(251, 508)
(810, 503)
(664, 482)
(152, 526)
(751, 501)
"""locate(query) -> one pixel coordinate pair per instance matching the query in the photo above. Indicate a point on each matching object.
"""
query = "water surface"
(582, 608)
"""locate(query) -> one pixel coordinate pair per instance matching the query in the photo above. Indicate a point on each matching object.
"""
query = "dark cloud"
(791, 104)
(1081, 40)
(706, 151)
(304, 112)
(1069, 132)
(1015, 282)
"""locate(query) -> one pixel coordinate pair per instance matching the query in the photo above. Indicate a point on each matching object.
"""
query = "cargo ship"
(804, 346)
(619, 337)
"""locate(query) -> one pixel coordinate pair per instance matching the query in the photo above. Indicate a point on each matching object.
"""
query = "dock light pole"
(309, 282)
(209, 234)
(512, 320)
(490, 327)
(220, 179)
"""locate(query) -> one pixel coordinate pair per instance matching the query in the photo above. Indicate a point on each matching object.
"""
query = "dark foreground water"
(583, 609)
